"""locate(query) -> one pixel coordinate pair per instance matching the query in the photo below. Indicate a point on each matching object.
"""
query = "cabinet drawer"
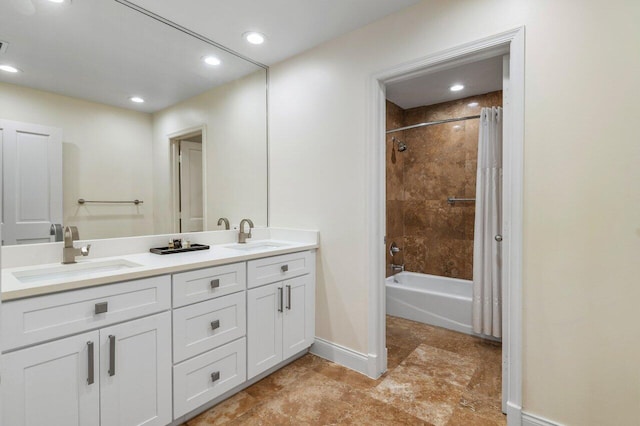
(203, 284)
(278, 268)
(32, 320)
(207, 376)
(206, 325)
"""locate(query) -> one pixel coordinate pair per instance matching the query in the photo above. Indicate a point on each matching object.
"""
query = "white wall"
(106, 152)
(582, 197)
(235, 151)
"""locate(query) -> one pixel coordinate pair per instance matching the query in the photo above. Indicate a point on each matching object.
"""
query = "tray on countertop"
(167, 250)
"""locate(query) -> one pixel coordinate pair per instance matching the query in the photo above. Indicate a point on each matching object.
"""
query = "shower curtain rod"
(431, 123)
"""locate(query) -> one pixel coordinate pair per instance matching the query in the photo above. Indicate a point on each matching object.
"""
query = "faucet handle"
(85, 250)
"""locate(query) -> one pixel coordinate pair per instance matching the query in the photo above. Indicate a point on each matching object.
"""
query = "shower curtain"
(487, 259)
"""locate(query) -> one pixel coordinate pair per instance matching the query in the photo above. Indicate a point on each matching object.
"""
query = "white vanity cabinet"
(135, 372)
(152, 351)
(114, 375)
(54, 383)
(209, 345)
(280, 315)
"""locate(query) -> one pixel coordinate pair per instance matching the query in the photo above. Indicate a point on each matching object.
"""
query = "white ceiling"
(477, 77)
(106, 52)
(102, 51)
(291, 26)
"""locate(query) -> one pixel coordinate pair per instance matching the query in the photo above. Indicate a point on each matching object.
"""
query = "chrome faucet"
(242, 236)
(397, 268)
(225, 221)
(69, 252)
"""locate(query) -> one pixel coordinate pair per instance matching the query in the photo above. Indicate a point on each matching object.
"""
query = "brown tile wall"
(436, 238)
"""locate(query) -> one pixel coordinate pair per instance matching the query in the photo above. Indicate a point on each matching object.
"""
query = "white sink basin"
(73, 270)
(258, 246)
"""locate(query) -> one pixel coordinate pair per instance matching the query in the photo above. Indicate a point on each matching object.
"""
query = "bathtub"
(430, 299)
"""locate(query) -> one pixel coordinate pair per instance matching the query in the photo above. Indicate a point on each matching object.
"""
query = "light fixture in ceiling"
(473, 104)
(9, 68)
(136, 99)
(211, 60)
(456, 87)
(57, 1)
(254, 37)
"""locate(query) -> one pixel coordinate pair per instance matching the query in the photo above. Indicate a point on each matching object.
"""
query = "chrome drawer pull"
(215, 376)
(101, 308)
(215, 283)
(112, 355)
(284, 268)
(90, 377)
(215, 324)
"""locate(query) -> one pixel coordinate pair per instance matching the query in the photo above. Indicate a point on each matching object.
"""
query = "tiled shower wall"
(435, 237)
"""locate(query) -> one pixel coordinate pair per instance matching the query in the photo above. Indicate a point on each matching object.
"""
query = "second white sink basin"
(258, 246)
(74, 270)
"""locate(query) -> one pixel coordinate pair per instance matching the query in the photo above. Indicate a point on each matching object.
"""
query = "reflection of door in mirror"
(190, 205)
(32, 181)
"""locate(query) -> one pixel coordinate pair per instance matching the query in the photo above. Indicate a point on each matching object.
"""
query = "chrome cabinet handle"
(288, 297)
(215, 324)
(498, 238)
(215, 376)
(101, 308)
(284, 268)
(280, 298)
(215, 283)
(112, 355)
(90, 377)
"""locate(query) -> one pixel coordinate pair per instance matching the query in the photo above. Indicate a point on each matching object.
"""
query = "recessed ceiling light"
(9, 68)
(136, 99)
(473, 104)
(254, 37)
(211, 60)
(56, 1)
(456, 87)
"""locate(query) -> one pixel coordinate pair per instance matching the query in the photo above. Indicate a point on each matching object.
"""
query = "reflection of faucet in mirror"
(69, 252)
(242, 236)
(225, 221)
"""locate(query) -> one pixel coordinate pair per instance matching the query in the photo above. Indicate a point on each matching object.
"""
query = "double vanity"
(144, 339)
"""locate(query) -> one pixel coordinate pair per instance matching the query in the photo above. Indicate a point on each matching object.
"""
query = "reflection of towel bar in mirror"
(452, 200)
(83, 201)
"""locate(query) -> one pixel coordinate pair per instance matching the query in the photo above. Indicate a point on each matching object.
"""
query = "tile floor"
(436, 377)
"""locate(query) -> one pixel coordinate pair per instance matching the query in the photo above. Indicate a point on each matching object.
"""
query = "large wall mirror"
(193, 151)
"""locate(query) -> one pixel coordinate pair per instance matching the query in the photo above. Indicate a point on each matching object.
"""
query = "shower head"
(402, 147)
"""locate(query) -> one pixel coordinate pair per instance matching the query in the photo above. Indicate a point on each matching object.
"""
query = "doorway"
(188, 181)
(509, 43)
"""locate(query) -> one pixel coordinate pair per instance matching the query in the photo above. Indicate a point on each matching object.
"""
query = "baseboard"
(340, 355)
(533, 420)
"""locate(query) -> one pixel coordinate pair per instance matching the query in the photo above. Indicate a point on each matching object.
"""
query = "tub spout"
(397, 268)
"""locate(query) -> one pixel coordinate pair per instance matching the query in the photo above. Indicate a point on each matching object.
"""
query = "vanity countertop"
(149, 265)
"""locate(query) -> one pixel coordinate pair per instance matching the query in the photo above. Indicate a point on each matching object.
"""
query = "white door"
(191, 186)
(53, 383)
(298, 328)
(264, 328)
(135, 372)
(32, 181)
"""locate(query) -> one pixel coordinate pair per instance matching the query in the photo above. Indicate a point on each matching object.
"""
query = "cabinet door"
(54, 383)
(135, 372)
(264, 328)
(299, 315)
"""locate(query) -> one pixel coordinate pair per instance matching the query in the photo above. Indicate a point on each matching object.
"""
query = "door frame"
(512, 43)
(174, 153)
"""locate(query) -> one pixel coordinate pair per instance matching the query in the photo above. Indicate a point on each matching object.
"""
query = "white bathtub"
(430, 299)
